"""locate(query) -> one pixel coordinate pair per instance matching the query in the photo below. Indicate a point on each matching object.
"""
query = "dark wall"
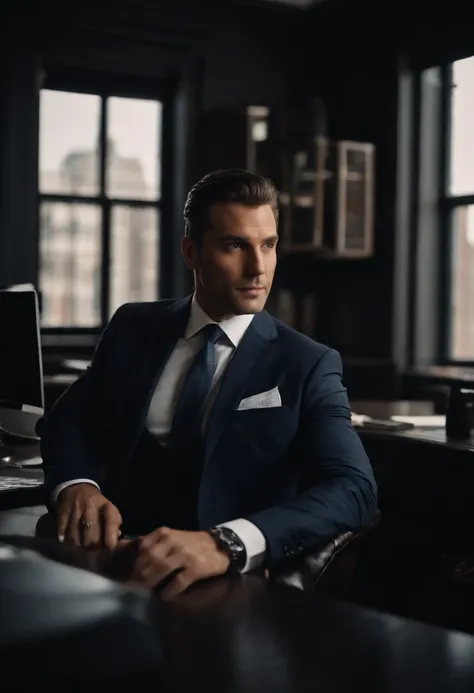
(355, 71)
(216, 54)
(219, 54)
(351, 55)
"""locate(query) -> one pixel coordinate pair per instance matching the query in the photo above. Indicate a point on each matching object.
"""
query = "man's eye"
(235, 244)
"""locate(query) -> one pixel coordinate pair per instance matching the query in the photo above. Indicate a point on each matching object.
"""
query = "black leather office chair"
(328, 568)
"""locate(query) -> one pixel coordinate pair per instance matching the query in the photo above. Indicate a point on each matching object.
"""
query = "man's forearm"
(320, 513)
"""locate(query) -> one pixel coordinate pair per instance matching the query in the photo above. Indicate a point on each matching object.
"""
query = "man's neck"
(210, 310)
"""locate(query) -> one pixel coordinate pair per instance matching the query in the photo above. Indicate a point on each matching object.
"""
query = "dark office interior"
(390, 82)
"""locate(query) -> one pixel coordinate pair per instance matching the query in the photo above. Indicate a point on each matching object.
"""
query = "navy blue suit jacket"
(299, 472)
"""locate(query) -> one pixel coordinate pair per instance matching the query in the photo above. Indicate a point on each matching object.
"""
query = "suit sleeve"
(67, 438)
(338, 491)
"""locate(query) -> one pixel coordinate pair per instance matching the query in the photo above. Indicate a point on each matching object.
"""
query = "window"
(459, 202)
(99, 205)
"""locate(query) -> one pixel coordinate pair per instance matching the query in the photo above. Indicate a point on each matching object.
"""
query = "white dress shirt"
(161, 411)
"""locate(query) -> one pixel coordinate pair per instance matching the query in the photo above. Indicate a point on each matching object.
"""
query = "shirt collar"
(234, 327)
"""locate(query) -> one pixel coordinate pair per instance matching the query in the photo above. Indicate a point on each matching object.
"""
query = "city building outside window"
(99, 205)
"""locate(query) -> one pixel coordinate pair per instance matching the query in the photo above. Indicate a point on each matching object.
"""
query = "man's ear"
(190, 252)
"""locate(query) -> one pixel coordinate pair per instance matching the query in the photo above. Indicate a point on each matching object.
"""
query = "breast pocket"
(264, 428)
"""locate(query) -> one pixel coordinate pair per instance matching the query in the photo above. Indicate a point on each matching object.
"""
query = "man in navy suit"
(215, 433)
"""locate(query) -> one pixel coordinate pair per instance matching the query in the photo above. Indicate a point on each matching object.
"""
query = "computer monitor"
(21, 365)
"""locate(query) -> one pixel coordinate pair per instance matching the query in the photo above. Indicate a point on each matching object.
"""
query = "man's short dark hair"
(229, 185)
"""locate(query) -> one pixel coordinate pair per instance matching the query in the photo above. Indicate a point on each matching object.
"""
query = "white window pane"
(70, 264)
(69, 143)
(462, 131)
(133, 152)
(462, 335)
(134, 248)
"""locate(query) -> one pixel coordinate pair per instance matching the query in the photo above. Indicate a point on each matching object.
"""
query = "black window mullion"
(458, 201)
(84, 199)
(104, 274)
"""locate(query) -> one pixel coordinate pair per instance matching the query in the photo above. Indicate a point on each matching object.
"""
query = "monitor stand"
(20, 422)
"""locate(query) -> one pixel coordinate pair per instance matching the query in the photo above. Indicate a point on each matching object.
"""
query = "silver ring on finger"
(86, 523)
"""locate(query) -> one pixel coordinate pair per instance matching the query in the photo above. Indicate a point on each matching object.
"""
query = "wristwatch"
(228, 542)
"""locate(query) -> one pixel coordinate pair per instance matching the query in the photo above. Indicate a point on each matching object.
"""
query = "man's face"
(235, 265)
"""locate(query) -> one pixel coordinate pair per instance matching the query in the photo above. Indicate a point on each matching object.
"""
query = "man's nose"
(255, 266)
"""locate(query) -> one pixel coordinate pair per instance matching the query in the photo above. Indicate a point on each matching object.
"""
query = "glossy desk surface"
(247, 636)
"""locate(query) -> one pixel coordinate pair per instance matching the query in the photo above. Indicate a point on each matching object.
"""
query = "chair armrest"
(459, 571)
(328, 567)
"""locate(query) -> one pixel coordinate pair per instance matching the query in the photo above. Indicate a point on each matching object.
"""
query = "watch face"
(229, 543)
(227, 538)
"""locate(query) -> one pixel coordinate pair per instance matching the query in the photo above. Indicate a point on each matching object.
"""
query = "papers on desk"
(384, 425)
(427, 422)
(79, 365)
(359, 419)
(437, 421)
(60, 379)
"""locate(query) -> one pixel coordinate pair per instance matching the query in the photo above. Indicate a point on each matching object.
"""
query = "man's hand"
(86, 518)
(189, 556)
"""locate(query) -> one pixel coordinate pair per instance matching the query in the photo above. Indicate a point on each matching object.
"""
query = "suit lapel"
(161, 339)
(245, 363)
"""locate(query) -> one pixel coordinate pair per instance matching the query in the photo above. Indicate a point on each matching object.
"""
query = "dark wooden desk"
(384, 410)
(462, 376)
(246, 636)
(426, 497)
(427, 436)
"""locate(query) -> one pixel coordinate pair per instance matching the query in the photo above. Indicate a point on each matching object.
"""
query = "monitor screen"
(21, 369)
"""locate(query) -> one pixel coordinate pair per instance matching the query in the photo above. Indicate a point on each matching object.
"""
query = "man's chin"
(250, 305)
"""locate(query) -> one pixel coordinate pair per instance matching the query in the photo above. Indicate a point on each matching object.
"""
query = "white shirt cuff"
(253, 539)
(60, 487)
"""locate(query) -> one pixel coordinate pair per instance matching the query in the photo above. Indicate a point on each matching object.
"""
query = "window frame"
(105, 86)
(448, 204)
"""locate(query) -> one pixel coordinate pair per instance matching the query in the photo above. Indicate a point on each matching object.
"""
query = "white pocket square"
(264, 400)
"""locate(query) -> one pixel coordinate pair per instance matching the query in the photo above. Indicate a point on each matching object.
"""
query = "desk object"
(71, 628)
(460, 415)
(11, 482)
(6, 454)
(21, 364)
(22, 486)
